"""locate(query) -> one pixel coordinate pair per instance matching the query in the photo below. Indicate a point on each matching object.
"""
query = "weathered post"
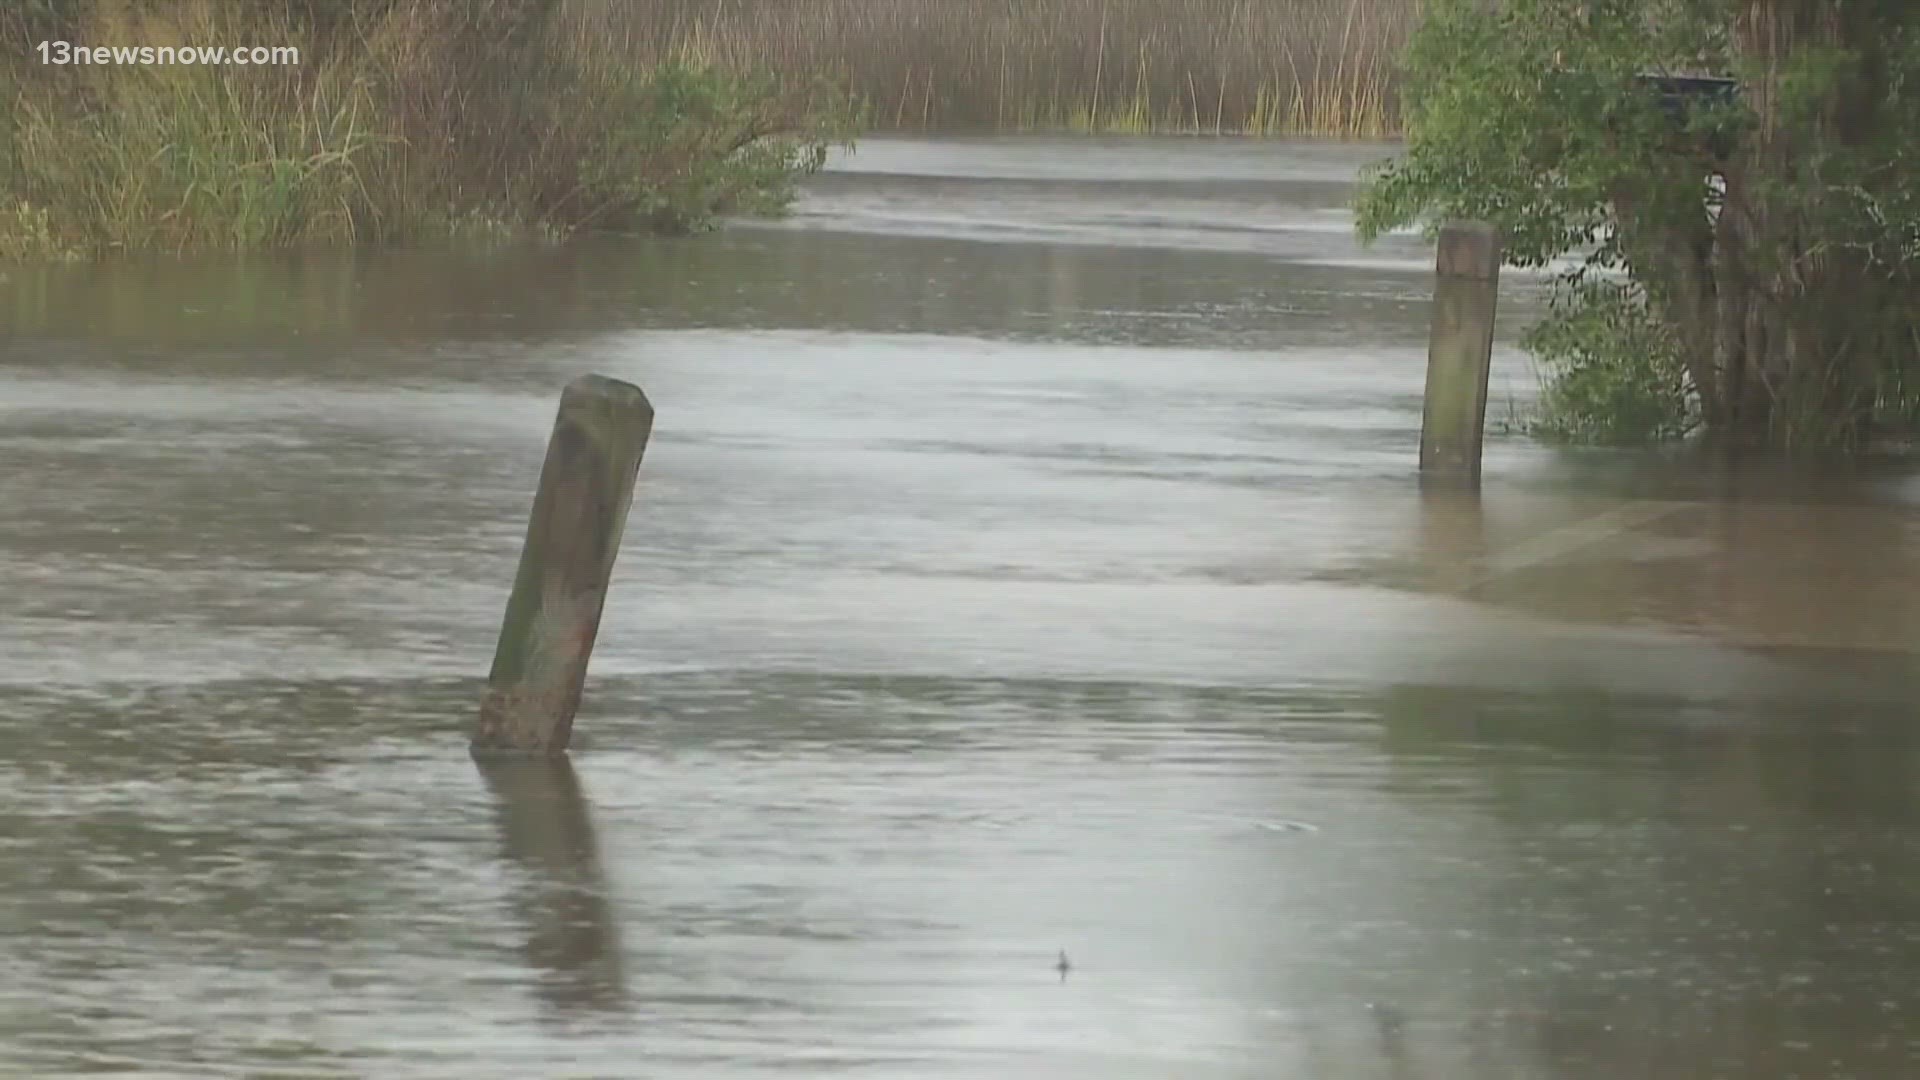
(1460, 352)
(572, 538)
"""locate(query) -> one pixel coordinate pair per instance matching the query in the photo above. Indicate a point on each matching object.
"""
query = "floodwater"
(1028, 559)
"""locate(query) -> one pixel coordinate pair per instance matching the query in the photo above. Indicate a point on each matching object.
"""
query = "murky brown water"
(1028, 558)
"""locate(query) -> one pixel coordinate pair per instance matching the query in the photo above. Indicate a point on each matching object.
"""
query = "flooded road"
(1028, 558)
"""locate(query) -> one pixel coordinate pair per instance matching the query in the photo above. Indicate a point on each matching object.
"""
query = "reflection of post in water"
(547, 837)
(1391, 1025)
(1453, 538)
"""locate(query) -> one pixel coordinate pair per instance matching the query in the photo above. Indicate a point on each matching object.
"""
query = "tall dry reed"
(1323, 67)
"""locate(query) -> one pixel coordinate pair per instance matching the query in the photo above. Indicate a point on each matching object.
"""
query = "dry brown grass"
(1323, 67)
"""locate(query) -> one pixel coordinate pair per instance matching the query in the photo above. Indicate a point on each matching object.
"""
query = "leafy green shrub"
(1615, 375)
(695, 142)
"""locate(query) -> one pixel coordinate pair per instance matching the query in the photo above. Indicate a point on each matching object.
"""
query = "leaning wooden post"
(1460, 351)
(572, 538)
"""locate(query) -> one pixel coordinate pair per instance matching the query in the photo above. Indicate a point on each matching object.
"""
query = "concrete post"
(1460, 352)
(573, 536)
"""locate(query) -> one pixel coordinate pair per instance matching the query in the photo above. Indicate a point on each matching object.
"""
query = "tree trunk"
(1802, 381)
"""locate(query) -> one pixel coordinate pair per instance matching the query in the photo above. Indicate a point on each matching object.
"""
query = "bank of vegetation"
(404, 120)
(1258, 67)
(1748, 261)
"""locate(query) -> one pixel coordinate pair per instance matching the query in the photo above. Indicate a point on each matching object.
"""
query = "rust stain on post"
(1460, 351)
(573, 536)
